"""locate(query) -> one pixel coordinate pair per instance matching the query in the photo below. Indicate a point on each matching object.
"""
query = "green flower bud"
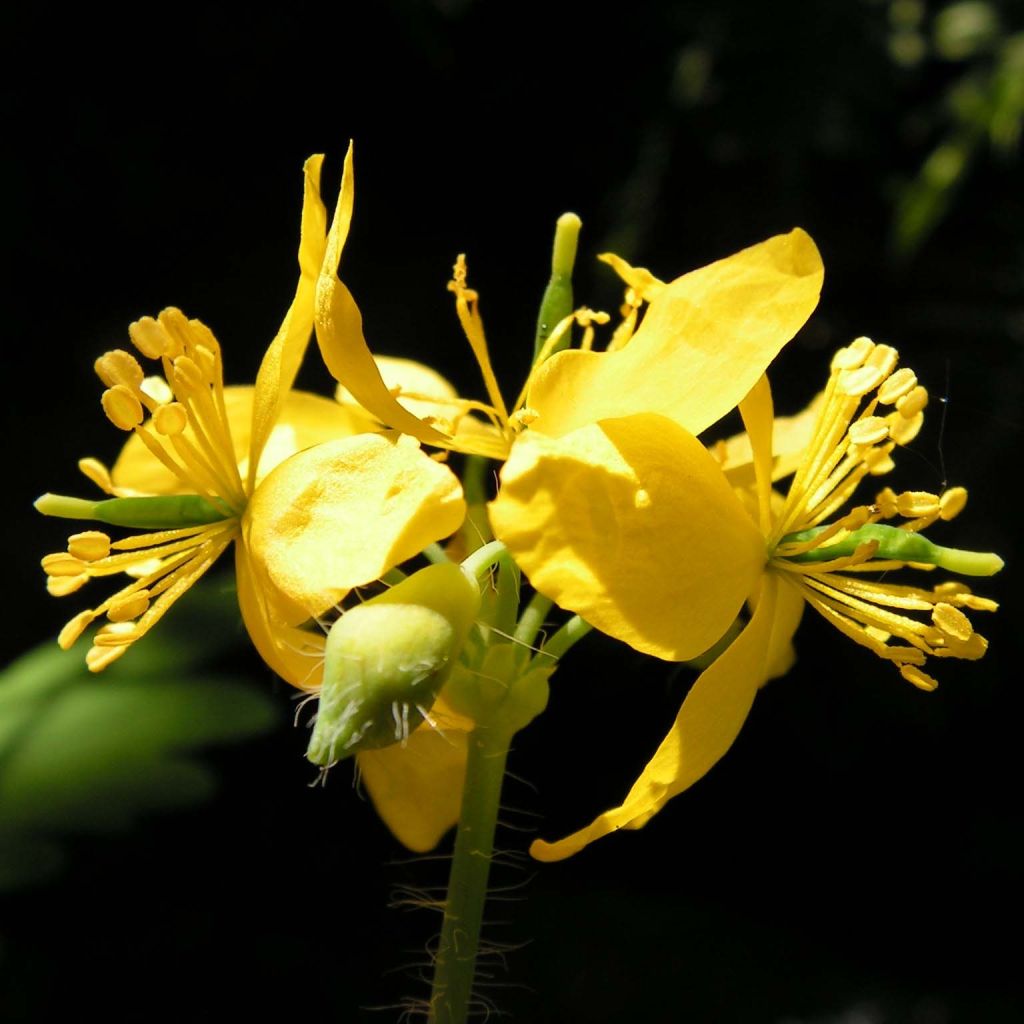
(386, 660)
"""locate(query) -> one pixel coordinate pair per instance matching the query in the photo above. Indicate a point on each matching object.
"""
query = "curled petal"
(339, 331)
(341, 514)
(284, 355)
(707, 724)
(631, 524)
(705, 340)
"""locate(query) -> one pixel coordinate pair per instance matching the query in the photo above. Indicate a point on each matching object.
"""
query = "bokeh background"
(856, 857)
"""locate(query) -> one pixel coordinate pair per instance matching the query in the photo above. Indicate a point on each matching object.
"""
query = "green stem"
(455, 964)
(572, 632)
(532, 619)
(435, 554)
(479, 563)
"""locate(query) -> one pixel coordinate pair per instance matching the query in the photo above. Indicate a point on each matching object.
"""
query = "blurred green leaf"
(81, 753)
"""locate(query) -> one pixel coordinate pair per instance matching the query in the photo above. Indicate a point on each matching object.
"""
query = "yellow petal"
(790, 438)
(284, 356)
(339, 330)
(416, 788)
(297, 656)
(341, 514)
(789, 611)
(705, 340)
(631, 524)
(303, 421)
(707, 724)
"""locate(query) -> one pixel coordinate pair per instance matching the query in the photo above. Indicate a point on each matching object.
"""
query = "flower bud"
(386, 660)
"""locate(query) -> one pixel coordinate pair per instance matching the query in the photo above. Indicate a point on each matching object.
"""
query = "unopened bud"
(386, 660)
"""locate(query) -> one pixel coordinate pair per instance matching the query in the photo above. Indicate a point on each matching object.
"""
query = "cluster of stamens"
(187, 431)
(870, 407)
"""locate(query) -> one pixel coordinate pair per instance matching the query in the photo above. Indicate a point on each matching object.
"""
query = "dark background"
(854, 858)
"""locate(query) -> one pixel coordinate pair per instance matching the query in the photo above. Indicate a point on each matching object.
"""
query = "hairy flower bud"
(386, 660)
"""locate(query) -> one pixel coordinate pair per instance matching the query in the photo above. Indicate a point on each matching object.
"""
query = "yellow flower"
(314, 504)
(783, 553)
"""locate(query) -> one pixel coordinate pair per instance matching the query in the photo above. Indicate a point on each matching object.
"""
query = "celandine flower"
(807, 548)
(315, 505)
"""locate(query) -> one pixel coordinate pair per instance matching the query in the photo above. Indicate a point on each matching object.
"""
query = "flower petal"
(339, 330)
(705, 340)
(788, 612)
(707, 724)
(341, 514)
(416, 787)
(297, 656)
(304, 420)
(284, 355)
(631, 524)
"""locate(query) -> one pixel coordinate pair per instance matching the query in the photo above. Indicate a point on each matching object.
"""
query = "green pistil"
(557, 303)
(150, 513)
(897, 545)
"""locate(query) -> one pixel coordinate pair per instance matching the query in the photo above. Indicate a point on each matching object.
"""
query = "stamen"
(61, 586)
(899, 384)
(89, 546)
(149, 337)
(95, 471)
(170, 419)
(920, 679)
(124, 609)
(74, 629)
(917, 503)
(912, 403)
(123, 409)
(119, 367)
(952, 622)
(952, 502)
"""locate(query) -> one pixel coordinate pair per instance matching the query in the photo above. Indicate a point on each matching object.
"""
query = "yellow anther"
(206, 361)
(99, 658)
(641, 498)
(97, 473)
(913, 402)
(917, 503)
(884, 358)
(878, 461)
(119, 367)
(123, 409)
(170, 419)
(856, 383)
(523, 418)
(62, 563)
(124, 609)
(74, 629)
(186, 377)
(952, 622)
(149, 337)
(952, 502)
(900, 383)
(158, 389)
(885, 501)
(920, 679)
(869, 431)
(853, 355)
(89, 546)
(61, 586)
(904, 430)
(115, 634)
